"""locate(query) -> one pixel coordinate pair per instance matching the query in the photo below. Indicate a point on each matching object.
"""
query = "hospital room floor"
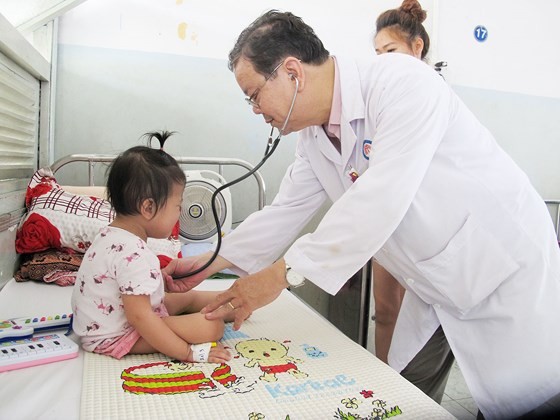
(457, 398)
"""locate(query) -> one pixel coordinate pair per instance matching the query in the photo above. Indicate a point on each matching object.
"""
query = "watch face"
(294, 278)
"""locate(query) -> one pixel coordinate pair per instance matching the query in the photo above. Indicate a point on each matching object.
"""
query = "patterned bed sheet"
(288, 363)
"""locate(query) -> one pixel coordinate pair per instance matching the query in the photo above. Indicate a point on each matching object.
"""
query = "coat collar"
(353, 108)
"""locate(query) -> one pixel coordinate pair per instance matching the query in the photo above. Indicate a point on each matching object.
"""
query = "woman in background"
(401, 31)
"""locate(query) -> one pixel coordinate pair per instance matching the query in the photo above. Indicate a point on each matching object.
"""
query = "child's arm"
(157, 333)
(173, 273)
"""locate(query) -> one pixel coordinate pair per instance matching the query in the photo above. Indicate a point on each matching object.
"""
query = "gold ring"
(231, 306)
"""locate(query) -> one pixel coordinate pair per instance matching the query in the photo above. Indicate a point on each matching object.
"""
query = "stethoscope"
(270, 148)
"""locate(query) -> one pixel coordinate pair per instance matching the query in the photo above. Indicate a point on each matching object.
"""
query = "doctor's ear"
(293, 67)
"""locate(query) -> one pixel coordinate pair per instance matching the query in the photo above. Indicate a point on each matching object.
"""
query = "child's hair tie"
(161, 136)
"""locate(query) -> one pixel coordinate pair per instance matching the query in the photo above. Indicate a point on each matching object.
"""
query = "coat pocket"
(470, 268)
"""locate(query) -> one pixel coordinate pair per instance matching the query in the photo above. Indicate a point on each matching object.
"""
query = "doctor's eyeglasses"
(252, 100)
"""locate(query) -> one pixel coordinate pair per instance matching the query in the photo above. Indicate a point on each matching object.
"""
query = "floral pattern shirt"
(118, 262)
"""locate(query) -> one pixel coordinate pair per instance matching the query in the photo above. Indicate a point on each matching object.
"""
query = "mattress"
(50, 391)
(288, 362)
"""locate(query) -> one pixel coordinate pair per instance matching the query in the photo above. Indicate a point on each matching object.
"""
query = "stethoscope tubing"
(270, 148)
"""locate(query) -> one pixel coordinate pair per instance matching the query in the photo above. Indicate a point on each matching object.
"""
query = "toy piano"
(24, 342)
(34, 351)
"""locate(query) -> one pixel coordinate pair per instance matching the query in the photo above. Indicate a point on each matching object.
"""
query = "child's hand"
(177, 267)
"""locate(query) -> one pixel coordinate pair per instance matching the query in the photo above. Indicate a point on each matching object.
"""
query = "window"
(19, 121)
(24, 75)
(24, 107)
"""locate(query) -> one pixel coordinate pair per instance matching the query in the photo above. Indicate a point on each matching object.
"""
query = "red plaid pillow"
(59, 219)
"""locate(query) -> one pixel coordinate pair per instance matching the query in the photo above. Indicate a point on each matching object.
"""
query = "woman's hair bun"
(415, 9)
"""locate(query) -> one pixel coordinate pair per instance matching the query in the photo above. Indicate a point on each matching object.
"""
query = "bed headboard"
(91, 160)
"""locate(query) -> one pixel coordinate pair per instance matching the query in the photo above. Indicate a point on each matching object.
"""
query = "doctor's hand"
(247, 294)
(178, 267)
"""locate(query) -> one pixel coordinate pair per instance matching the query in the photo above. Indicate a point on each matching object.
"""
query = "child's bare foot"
(208, 352)
(219, 354)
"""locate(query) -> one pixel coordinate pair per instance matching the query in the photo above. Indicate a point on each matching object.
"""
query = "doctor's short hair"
(274, 36)
(141, 173)
(406, 23)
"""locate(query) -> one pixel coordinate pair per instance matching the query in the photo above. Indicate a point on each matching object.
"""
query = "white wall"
(209, 28)
(510, 81)
(130, 66)
(521, 53)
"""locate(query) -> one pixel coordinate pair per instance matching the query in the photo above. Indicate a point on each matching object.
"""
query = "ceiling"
(28, 15)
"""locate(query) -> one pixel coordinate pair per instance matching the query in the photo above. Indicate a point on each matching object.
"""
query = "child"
(119, 302)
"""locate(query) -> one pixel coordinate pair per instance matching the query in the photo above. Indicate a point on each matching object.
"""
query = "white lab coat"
(444, 209)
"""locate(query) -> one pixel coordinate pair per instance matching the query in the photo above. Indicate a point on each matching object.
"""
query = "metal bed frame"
(93, 159)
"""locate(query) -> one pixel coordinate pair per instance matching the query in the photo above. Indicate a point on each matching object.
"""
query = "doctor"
(416, 182)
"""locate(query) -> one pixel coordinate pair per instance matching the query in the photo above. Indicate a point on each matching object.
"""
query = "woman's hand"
(248, 293)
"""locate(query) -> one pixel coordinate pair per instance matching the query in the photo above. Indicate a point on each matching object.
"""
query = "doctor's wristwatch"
(294, 279)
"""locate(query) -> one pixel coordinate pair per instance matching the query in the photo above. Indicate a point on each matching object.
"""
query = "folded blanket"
(52, 265)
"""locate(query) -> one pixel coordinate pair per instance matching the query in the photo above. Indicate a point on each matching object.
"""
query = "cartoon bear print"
(270, 356)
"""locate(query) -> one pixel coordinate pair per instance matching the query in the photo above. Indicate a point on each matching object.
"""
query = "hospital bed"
(318, 372)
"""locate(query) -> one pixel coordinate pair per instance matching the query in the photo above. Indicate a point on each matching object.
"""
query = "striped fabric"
(60, 200)
(59, 219)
